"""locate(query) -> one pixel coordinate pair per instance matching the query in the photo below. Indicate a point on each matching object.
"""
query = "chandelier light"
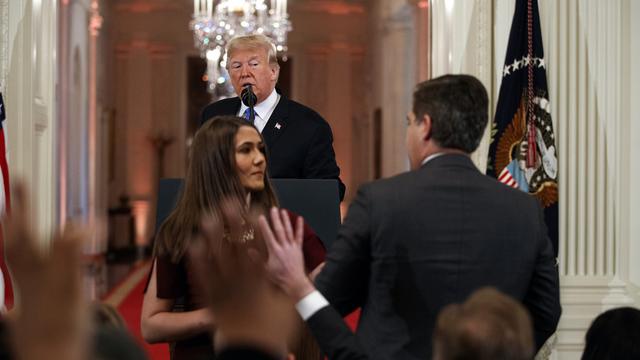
(216, 22)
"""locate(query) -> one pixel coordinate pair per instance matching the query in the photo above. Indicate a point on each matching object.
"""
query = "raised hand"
(247, 307)
(51, 319)
(285, 264)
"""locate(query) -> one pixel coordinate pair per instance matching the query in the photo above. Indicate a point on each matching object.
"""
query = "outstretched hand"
(285, 264)
(51, 316)
(247, 307)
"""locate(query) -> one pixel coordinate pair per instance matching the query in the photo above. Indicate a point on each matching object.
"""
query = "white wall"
(28, 63)
(462, 44)
(633, 134)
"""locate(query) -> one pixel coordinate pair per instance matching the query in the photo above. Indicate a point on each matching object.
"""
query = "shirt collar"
(262, 109)
(431, 157)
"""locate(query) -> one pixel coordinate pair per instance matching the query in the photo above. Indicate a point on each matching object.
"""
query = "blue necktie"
(247, 114)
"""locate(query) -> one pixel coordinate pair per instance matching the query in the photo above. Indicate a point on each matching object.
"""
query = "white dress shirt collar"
(431, 157)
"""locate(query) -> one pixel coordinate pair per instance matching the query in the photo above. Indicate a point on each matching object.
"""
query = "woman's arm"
(159, 324)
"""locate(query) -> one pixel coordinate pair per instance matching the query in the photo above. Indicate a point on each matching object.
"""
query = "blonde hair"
(252, 42)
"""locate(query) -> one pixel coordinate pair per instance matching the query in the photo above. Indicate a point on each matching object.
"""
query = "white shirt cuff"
(311, 304)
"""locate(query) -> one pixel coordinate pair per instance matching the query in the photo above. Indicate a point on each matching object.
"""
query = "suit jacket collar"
(450, 160)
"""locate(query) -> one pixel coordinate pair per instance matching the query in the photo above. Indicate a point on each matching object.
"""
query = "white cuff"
(311, 304)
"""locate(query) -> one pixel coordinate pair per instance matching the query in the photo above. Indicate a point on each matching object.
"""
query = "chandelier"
(216, 22)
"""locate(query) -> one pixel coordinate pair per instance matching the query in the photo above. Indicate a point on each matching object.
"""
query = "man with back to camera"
(299, 141)
(416, 242)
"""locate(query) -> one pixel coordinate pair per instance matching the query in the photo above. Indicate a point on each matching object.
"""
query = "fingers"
(299, 230)
(232, 216)
(286, 221)
(65, 260)
(67, 246)
(207, 271)
(278, 227)
(211, 229)
(268, 235)
(22, 252)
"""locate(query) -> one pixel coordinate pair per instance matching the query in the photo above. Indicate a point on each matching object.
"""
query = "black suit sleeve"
(543, 297)
(335, 339)
(343, 281)
(320, 162)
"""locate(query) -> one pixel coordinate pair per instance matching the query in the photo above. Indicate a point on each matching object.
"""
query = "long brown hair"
(211, 177)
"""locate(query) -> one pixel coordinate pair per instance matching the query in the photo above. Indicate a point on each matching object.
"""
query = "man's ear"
(426, 129)
(275, 72)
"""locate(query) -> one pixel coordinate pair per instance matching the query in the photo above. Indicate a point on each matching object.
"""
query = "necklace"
(248, 234)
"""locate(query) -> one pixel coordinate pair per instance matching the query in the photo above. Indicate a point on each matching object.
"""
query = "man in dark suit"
(413, 243)
(299, 141)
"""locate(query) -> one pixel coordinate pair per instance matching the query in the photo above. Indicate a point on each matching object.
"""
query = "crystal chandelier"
(216, 22)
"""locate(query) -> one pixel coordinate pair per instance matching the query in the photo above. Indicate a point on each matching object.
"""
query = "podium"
(317, 200)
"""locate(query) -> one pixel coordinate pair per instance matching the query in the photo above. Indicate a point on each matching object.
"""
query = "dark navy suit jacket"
(413, 243)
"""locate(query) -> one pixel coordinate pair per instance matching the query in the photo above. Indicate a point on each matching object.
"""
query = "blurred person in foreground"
(488, 326)
(614, 334)
(299, 141)
(254, 314)
(416, 242)
(227, 162)
(52, 320)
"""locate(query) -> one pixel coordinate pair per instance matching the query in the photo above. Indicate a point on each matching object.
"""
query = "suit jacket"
(413, 243)
(299, 141)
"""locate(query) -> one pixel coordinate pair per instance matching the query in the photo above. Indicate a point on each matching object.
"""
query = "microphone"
(248, 97)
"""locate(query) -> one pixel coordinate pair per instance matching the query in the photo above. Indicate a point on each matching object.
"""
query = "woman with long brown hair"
(227, 161)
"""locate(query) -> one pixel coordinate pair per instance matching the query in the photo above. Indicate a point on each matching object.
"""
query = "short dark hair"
(459, 109)
(614, 334)
(489, 325)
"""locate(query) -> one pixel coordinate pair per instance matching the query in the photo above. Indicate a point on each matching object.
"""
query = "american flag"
(5, 205)
(523, 153)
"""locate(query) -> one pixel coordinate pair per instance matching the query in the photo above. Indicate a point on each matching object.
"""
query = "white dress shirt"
(263, 110)
(311, 304)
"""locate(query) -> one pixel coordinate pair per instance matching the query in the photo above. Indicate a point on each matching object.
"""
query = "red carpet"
(130, 311)
(127, 298)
